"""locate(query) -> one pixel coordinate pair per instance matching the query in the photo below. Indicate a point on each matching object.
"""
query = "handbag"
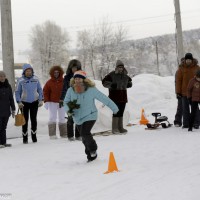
(19, 118)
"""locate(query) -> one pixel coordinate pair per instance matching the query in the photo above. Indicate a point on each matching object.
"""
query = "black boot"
(33, 136)
(25, 137)
(91, 155)
(190, 129)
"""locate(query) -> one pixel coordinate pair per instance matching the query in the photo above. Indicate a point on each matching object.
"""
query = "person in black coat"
(117, 82)
(7, 107)
(73, 66)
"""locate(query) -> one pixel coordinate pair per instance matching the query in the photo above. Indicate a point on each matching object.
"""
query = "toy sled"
(159, 121)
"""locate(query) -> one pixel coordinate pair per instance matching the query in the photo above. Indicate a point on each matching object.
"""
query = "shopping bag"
(19, 118)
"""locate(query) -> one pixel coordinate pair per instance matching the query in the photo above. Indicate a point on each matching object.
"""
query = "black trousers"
(194, 110)
(3, 126)
(186, 113)
(70, 128)
(179, 113)
(87, 138)
(121, 107)
(32, 109)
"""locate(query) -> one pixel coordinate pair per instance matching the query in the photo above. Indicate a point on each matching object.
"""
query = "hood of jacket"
(25, 67)
(56, 68)
(183, 64)
(4, 84)
(87, 82)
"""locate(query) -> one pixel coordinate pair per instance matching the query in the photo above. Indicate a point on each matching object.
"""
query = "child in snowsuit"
(193, 95)
(84, 92)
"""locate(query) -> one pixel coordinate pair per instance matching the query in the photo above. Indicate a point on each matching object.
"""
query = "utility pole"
(179, 30)
(7, 41)
(157, 58)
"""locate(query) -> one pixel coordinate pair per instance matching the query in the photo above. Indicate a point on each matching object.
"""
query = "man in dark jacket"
(117, 82)
(7, 107)
(179, 112)
(73, 66)
(185, 73)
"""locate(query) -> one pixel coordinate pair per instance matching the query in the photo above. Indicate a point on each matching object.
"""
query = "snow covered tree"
(49, 47)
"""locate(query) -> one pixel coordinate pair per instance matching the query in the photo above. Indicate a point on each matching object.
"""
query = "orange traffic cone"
(143, 119)
(112, 166)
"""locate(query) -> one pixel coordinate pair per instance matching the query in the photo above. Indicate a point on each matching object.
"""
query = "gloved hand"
(13, 114)
(190, 100)
(129, 85)
(114, 85)
(61, 104)
(20, 105)
(178, 96)
(40, 103)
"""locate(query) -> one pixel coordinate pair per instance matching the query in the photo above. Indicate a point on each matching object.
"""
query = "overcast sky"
(143, 18)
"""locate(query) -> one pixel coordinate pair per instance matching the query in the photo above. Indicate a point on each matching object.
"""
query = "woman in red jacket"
(52, 91)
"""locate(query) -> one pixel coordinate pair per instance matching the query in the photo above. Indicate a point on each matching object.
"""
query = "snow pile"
(161, 164)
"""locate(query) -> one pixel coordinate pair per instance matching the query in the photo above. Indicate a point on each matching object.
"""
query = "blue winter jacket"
(87, 110)
(28, 89)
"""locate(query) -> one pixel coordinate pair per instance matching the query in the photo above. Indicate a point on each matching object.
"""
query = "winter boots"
(117, 126)
(115, 122)
(25, 137)
(63, 130)
(33, 136)
(120, 126)
(52, 130)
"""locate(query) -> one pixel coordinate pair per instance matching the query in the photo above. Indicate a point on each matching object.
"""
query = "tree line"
(99, 47)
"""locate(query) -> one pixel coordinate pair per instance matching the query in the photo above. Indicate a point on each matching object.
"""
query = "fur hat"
(188, 56)
(2, 73)
(80, 74)
(54, 68)
(119, 63)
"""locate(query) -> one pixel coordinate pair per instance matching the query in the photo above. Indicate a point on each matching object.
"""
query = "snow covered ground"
(161, 164)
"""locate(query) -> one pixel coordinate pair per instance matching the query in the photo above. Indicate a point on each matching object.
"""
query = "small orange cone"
(112, 166)
(143, 120)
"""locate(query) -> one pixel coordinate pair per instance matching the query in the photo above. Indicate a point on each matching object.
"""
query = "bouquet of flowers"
(72, 105)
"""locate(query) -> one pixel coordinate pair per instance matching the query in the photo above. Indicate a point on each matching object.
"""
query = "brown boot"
(63, 130)
(120, 126)
(52, 130)
(115, 121)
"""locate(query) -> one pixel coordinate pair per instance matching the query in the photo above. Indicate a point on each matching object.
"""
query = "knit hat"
(119, 63)
(2, 73)
(80, 74)
(188, 56)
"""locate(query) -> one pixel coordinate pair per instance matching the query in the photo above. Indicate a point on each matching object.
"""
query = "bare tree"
(101, 46)
(104, 40)
(49, 46)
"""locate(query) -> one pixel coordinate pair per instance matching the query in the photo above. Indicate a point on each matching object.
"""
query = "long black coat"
(123, 81)
(6, 99)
